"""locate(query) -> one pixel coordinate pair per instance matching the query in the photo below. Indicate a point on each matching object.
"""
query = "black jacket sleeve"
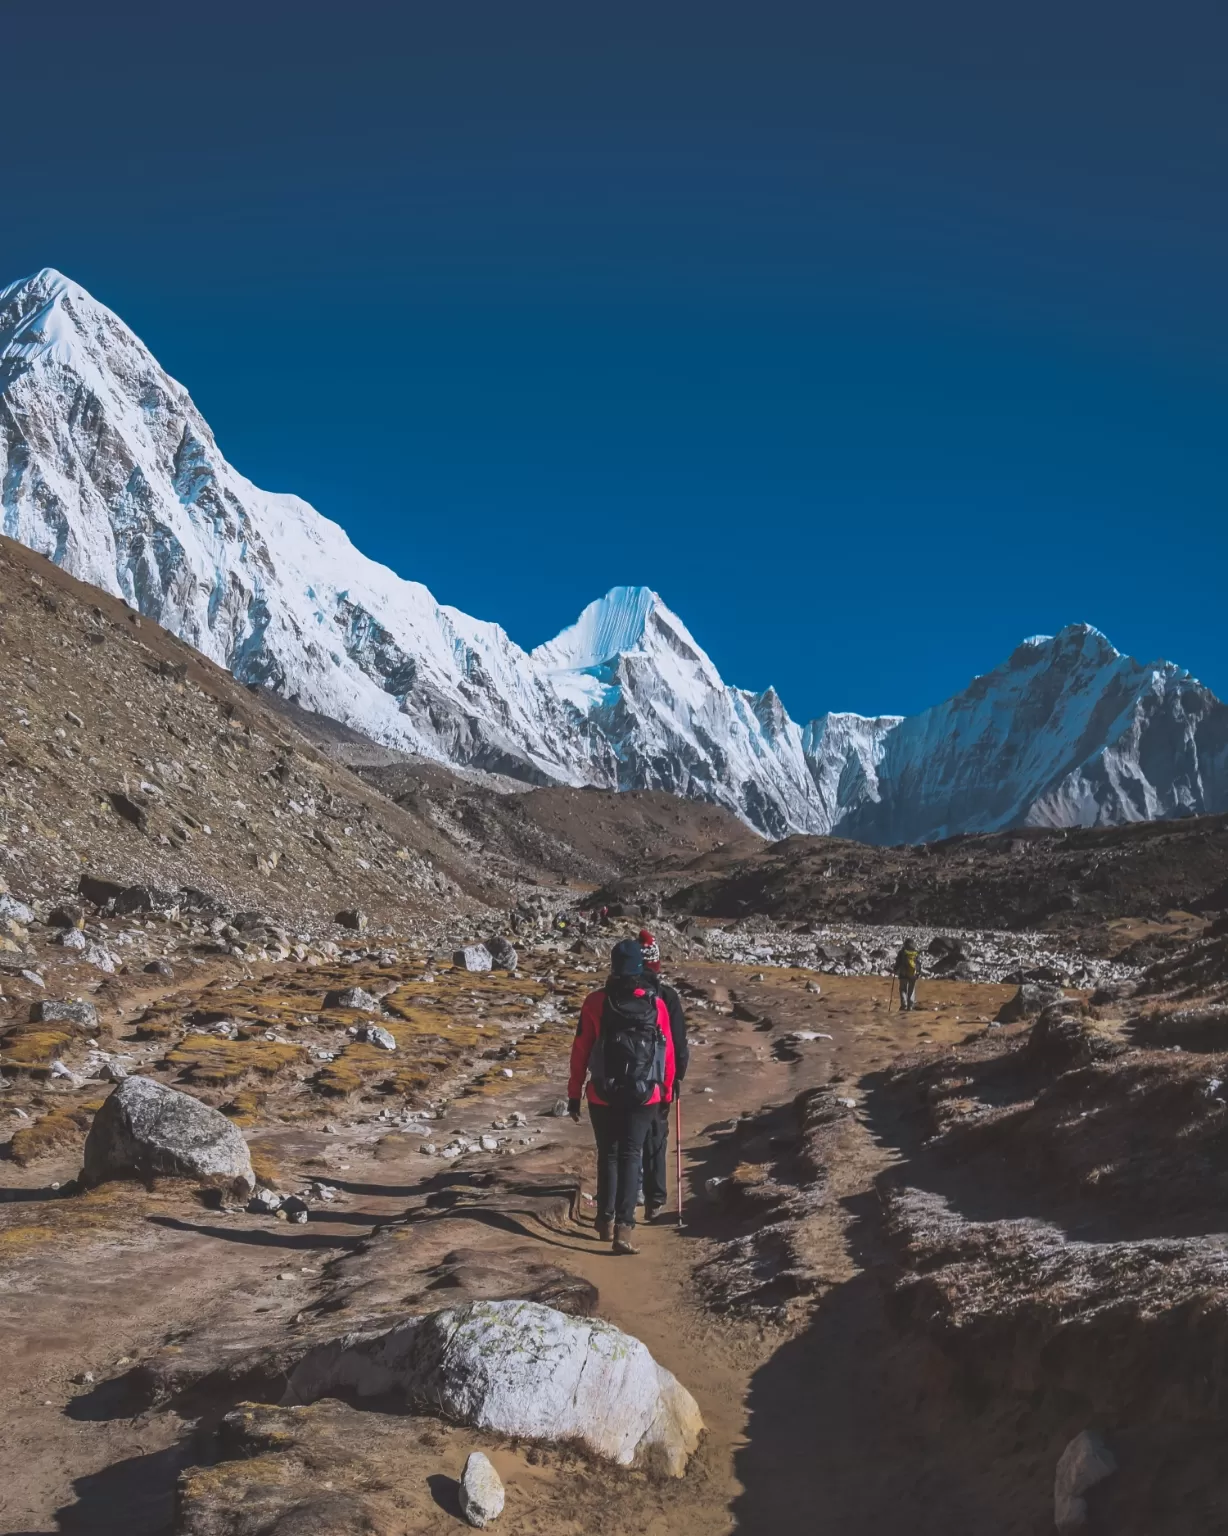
(677, 1028)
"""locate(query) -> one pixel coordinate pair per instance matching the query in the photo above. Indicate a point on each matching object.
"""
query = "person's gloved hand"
(573, 1109)
(676, 1091)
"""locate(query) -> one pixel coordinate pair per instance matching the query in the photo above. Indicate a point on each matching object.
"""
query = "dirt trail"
(788, 1395)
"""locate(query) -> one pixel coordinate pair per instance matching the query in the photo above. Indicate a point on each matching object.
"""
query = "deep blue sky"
(875, 336)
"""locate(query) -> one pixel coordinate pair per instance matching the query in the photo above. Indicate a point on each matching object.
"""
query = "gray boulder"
(1085, 1462)
(10, 907)
(353, 997)
(481, 1491)
(82, 1016)
(354, 919)
(1032, 998)
(145, 1129)
(375, 1034)
(502, 954)
(521, 1369)
(474, 957)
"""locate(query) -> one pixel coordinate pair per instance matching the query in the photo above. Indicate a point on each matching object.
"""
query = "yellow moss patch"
(245, 1107)
(65, 1126)
(358, 1065)
(214, 1062)
(33, 1047)
(265, 1167)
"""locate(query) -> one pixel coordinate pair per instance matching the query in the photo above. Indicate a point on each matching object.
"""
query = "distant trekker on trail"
(908, 968)
(623, 1043)
(656, 1148)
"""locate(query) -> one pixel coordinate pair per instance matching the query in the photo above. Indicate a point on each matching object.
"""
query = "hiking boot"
(605, 1228)
(651, 1212)
(622, 1240)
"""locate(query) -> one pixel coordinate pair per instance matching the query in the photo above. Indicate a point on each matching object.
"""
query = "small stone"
(481, 1491)
(160, 968)
(815, 988)
(1085, 1462)
(489, 1143)
(355, 920)
(559, 1112)
(518, 1118)
(295, 1208)
(265, 1202)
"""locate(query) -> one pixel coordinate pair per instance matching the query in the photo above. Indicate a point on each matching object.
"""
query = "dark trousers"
(908, 992)
(620, 1135)
(656, 1160)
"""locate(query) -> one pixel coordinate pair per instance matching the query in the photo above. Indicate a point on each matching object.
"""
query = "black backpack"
(628, 1060)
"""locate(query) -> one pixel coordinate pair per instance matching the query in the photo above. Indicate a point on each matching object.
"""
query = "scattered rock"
(502, 954)
(353, 997)
(265, 1202)
(354, 920)
(145, 1129)
(294, 1208)
(481, 1491)
(375, 1034)
(520, 1369)
(144, 898)
(474, 957)
(1031, 998)
(82, 1016)
(66, 917)
(99, 893)
(129, 810)
(1085, 1462)
(72, 938)
(559, 1111)
(10, 907)
(161, 968)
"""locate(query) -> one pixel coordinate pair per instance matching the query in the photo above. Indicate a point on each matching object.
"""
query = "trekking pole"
(890, 994)
(678, 1152)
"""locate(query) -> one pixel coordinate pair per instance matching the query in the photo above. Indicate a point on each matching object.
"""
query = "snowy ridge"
(107, 468)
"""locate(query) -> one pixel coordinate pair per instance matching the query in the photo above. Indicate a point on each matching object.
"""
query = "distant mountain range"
(108, 468)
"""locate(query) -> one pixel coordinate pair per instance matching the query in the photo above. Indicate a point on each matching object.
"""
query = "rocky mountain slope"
(107, 468)
(128, 757)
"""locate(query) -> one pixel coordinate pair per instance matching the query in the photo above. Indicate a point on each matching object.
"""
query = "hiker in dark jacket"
(624, 1046)
(908, 968)
(656, 1148)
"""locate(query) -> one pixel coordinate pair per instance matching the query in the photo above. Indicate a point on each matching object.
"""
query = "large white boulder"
(518, 1368)
(145, 1129)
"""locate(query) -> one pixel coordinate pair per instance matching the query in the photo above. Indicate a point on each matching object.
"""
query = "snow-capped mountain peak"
(108, 468)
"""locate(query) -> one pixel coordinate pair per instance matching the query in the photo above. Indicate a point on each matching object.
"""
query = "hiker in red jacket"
(624, 1045)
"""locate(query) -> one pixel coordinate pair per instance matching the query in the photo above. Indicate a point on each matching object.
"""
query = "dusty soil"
(104, 1283)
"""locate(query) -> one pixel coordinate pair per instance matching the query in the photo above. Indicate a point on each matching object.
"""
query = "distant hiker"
(656, 1148)
(561, 922)
(908, 968)
(623, 1043)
